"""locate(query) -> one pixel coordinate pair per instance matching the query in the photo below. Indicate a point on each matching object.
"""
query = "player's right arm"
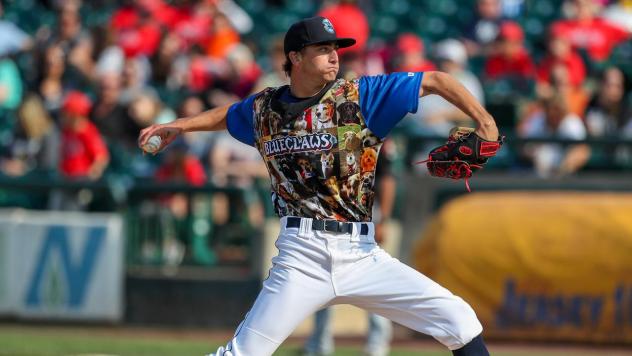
(210, 120)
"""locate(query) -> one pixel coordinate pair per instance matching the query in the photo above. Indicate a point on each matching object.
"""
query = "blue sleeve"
(386, 99)
(239, 120)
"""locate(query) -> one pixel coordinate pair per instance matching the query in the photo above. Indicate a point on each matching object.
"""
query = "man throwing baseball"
(322, 189)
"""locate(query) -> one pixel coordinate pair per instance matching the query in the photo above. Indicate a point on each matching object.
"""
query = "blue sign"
(77, 273)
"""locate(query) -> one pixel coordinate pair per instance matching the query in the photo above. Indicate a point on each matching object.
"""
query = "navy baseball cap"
(310, 31)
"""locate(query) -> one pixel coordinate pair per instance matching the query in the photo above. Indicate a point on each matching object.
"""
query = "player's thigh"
(286, 299)
(386, 286)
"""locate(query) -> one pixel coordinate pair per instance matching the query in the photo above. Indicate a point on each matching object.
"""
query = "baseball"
(153, 144)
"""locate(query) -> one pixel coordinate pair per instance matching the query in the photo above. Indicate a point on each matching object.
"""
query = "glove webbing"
(463, 165)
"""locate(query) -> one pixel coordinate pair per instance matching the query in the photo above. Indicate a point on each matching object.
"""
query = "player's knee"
(462, 325)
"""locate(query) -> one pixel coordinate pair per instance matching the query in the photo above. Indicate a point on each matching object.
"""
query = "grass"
(52, 345)
(31, 340)
(37, 341)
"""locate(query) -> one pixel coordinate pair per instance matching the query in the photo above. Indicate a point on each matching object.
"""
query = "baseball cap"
(511, 31)
(410, 43)
(77, 103)
(452, 50)
(310, 31)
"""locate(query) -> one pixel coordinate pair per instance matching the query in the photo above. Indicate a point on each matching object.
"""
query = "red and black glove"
(463, 154)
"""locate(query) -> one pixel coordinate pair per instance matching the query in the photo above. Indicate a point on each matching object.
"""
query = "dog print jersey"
(322, 162)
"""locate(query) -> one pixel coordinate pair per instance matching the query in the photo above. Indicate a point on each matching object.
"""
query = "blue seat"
(385, 26)
(393, 7)
(301, 8)
(433, 27)
(543, 8)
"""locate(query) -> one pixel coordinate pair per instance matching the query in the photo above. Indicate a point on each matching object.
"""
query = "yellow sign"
(537, 265)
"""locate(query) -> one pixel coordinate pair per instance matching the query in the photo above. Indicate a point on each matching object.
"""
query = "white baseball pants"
(315, 269)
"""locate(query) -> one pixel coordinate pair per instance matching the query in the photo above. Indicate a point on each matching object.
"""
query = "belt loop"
(355, 232)
(305, 230)
(284, 222)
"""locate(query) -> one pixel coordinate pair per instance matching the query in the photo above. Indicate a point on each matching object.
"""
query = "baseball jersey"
(322, 163)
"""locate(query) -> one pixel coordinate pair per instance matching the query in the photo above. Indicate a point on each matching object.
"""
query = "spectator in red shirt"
(136, 29)
(560, 52)
(511, 58)
(84, 153)
(411, 54)
(586, 31)
(126, 16)
(179, 166)
(195, 27)
(143, 39)
(130, 14)
(349, 21)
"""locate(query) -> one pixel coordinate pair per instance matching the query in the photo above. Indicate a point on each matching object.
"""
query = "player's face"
(321, 60)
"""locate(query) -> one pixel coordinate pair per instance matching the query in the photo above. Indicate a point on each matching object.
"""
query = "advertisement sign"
(537, 265)
(61, 265)
(5, 305)
(7, 274)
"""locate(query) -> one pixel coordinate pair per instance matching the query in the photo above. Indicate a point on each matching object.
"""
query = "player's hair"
(287, 66)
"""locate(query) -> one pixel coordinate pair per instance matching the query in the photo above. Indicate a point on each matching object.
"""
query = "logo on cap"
(328, 26)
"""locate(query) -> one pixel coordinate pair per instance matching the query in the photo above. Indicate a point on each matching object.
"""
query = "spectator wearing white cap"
(619, 13)
(437, 116)
(12, 38)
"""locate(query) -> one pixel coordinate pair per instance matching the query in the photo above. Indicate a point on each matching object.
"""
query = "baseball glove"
(463, 154)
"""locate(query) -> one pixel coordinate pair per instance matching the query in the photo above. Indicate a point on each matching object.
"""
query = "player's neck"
(301, 87)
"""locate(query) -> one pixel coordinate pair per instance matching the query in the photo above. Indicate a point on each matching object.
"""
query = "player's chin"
(330, 75)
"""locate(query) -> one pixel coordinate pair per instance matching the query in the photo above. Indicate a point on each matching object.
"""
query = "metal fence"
(175, 226)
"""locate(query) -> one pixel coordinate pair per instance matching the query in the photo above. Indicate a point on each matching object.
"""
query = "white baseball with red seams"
(153, 144)
(315, 269)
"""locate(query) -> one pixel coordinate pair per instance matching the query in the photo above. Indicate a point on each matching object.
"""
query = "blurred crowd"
(79, 80)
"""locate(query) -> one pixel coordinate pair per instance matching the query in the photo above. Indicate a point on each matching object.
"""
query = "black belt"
(328, 225)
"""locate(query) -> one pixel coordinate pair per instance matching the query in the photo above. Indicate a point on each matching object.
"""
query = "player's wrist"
(180, 125)
(488, 131)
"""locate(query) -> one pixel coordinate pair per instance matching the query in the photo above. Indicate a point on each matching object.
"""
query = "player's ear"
(296, 57)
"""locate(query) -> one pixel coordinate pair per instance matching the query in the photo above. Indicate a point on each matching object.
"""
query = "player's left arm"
(446, 86)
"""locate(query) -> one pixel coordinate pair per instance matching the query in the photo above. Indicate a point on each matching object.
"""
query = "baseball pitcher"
(320, 138)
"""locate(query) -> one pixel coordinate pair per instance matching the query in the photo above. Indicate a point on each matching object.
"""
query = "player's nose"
(333, 57)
